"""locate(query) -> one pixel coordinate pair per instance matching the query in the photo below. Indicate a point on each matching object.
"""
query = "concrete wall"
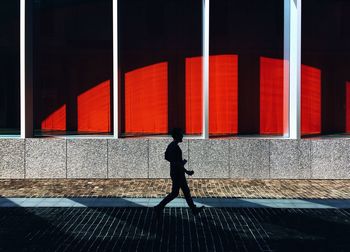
(144, 158)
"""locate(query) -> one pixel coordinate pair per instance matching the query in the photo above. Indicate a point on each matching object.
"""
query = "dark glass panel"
(157, 40)
(73, 66)
(247, 90)
(325, 56)
(9, 67)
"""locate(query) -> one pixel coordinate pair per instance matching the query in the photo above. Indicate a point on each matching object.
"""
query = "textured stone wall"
(144, 158)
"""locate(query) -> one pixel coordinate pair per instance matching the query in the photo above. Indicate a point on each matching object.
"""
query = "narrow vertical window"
(73, 58)
(160, 50)
(246, 83)
(9, 67)
(325, 58)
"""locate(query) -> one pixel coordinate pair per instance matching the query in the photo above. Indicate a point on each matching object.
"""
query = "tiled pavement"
(178, 202)
(155, 188)
(138, 229)
(116, 215)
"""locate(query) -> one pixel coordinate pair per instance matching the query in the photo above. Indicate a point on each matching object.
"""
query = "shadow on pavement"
(216, 229)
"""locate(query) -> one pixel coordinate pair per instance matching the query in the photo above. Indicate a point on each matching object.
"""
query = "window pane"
(73, 58)
(247, 67)
(325, 57)
(160, 69)
(9, 67)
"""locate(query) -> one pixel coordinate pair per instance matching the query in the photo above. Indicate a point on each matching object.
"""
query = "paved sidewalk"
(116, 215)
(178, 202)
(138, 229)
(157, 188)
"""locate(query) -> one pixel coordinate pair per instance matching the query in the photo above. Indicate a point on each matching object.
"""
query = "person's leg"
(172, 195)
(186, 191)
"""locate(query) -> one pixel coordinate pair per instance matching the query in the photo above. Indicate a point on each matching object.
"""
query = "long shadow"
(137, 229)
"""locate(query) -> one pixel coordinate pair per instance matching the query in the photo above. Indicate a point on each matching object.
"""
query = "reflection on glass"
(271, 96)
(194, 79)
(56, 120)
(9, 68)
(146, 106)
(156, 39)
(325, 57)
(247, 69)
(223, 94)
(94, 109)
(223, 91)
(310, 100)
(72, 66)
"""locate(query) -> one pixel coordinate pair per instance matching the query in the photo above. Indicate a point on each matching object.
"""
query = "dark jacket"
(173, 154)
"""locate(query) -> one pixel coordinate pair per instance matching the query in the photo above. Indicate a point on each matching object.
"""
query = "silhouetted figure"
(173, 154)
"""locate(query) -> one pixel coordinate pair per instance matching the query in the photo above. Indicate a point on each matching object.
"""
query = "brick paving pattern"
(154, 188)
(137, 229)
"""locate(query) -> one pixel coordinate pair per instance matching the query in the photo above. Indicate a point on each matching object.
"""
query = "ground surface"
(154, 188)
(137, 229)
(241, 215)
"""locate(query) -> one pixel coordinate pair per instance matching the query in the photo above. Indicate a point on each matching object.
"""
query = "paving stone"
(155, 188)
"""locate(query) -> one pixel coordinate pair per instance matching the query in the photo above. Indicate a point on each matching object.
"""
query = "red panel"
(146, 99)
(56, 120)
(271, 96)
(194, 95)
(310, 100)
(94, 109)
(223, 94)
(347, 130)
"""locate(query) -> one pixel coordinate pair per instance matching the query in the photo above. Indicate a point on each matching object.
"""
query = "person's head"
(177, 134)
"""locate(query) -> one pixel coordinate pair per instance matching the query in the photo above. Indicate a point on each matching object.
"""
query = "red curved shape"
(56, 120)
(271, 96)
(310, 100)
(94, 109)
(146, 99)
(194, 95)
(223, 94)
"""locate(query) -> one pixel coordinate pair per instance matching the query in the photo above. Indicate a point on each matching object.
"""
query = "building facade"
(92, 88)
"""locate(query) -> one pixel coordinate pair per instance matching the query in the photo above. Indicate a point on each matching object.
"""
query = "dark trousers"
(179, 181)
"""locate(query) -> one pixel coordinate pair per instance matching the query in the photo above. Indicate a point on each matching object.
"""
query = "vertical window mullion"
(22, 68)
(205, 130)
(26, 67)
(294, 69)
(116, 114)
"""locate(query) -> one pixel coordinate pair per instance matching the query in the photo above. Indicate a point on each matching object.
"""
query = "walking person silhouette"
(173, 154)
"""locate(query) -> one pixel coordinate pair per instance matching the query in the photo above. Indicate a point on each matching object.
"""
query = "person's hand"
(190, 173)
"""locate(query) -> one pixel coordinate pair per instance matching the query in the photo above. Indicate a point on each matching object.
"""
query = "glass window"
(325, 58)
(9, 67)
(246, 68)
(73, 63)
(160, 66)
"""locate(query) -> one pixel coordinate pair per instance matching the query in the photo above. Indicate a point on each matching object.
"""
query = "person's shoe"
(197, 210)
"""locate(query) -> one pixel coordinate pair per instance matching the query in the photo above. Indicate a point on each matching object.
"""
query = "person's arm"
(185, 170)
(180, 163)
